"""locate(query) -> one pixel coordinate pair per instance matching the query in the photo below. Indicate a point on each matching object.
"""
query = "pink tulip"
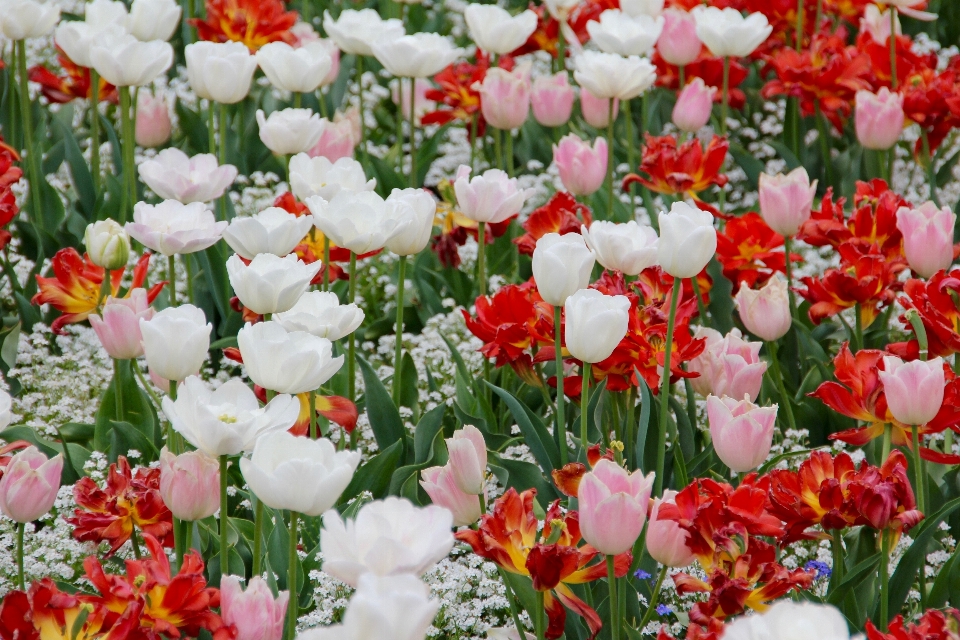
(613, 506)
(505, 97)
(878, 118)
(765, 312)
(914, 390)
(552, 100)
(468, 459)
(694, 105)
(255, 613)
(190, 484)
(118, 326)
(728, 366)
(334, 52)
(678, 43)
(29, 485)
(927, 237)
(596, 111)
(742, 432)
(153, 120)
(666, 541)
(492, 196)
(786, 200)
(877, 23)
(336, 140)
(582, 168)
(439, 484)
(160, 383)
(421, 105)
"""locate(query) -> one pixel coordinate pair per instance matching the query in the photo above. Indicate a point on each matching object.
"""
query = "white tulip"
(320, 177)
(173, 175)
(107, 244)
(355, 221)
(174, 228)
(788, 620)
(595, 324)
(124, 61)
(652, 8)
(6, 409)
(300, 70)
(103, 20)
(414, 211)
(290, 131)
(270, 284)
(294, 362)
(273, 230)
(562, 265)
(22, 19)
(420, 55)
(727, 33)
(220, 71)
(687, 240)
(154, 19)
(176, 341)
(618, 32)
(608, 75)
(628, 247)
(357, 31)
(496, 31)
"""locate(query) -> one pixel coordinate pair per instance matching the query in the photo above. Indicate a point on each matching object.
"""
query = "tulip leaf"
(374, 476)
(134, 408)
(409, 391)
(523, 475)
(194, 128)
(384, 418)
(75, 454)
(427, 429)
(124, 437)
(853, 579)
(428, 151)
(535, 433)
(946, 588)
(82, 179)
(784, 152)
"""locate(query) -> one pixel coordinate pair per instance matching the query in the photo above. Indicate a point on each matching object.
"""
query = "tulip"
(914, 390)
(320, 313)
(561, 266)
(270, 284)
(124, 61)
(728, 366)
(324, 178)
(104, 12)
(628, 247)
(420, 55)
(765, 312)
(468, 459)
(174, 228)
(299, 70)
(595, 324)
(560, 9)
(153, 19)
(153, 120)
(76, 37)
(414, 211)
(927, 237)
(496, 31)
(190, 484)
(634, 8)
(786, 200)
(608, 75)
(742, 432)
(666, 541)
(623, 34)
(727, 33)
(294, 362)
(877, 23)
(879, 118)
(24, 19)
(678, 43)
(400, 94)
(226, 421)
(273, 230)
(417, 537)
(505, 97)
(596, 111)
(254, 613)
(173, 175)
(220, 71)
(551, 98)
(107, 244)
(613, 506)
(176, 341)
(6, 409)
(29, 485)
(289, 131)
(582, 168)
(491, 197)
(687, 240)
(357, 31)
(356, 221)
(789, 620)
(337, 140)
(119, 325)
(693, 107)
(440, 485)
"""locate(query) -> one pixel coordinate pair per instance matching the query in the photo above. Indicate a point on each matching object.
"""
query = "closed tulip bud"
(595, 324)
(627, 247)
(273, 230)
(742, 432)
(914, 390)
(418, 538)
(420, 55)
(619, 32)
(726, 32)
(118, 326)
(176, 341)
(666, 541)
(878, 118)
(491, 197)
(505, 97)
(24, 19)
(254, 613)
(927, 237)
(124, 61)
(153, 19)
(765, 312)
(551, 98)
(582, 168)
(414, 211)
(337, 140)
(294, 362)
(786, 200)
(400, 94)
(687, 240)
(289, 131)
(357, 31)
(173, 228)
(728, 366)
(107, 244)
(190, 484)
(468, 459)
(173, 175)
(596, 111)
(562, 265)
(496, 31)
(320, 313)
(320, 177)
(28, 487)
(355, 221)
(153, 120)
(439, 484)
(609, 75)
(220, 71)
(613, 506)
(270, 284)
(678, 43)
(298, 70)
(694, 105)
(788, 620)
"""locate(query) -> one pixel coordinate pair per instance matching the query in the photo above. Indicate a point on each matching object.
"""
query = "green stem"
(312, 399)
(95, 129)
(326, 263)
(224, 549)
(665, 387)
(211, 129)
(539, 623)
(135, 543)
(836, 574)
(292, 578)
(631, 147)
(509, 154)
(352, 343)
(117, 396)
(297, 99)
(884, 579)
(931, 171)
(481, 264)
(778, 379)
(363, 125)
(615, 621)
(172, 279)
(398, 345)
(701, 307)
(789, 269)
(893, 70)
(584, 405)
(12, 138)
(257, 537)
(413, 133)
(222, 122)
(510, 598)
(725, 98)
(610, 160)
(21, 582)
(558, 360)
(800, 17)
(129, 142)
(823, 128)
(858, 326)
(885, 446)
(498, 147)
(654, 598)
(188, 263)
(920, 470)
(146, 387)
(33, 164)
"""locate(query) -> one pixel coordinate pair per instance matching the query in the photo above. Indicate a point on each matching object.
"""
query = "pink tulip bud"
(877, 23)
(552, 100)
(694, 105)
(190, 484)
(878, 118)
(336, 140)
(153, 120)
(666, 541)
(786, 200)
(29, 485)
(914, 390)
(118, 326)
(582, 168)
(439, 484)
(742, 432)
(728, 366)
(678, 43)
(613, 506)
(254, 613)
(765, 312)
(468, 459)
(505, 97)
(401, 98)
(927, 237)
(596, 111)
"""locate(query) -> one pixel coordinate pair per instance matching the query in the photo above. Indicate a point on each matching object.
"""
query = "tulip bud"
(786, 200)
(608, 75)
(623, 34)
(765, 312)
(613, 506)
(418, 55)
(666, 541)
(582, 168)
(562, 265)
(468, 459)
(153, 120)
(789, 619)
(490, 197)
(254, 613)
(927, 237)
(552, 99)
(694, 105)
(357, 221)
(108, 245)
(728, 366)
(505, 97)
(596, 111)
(414, 211)
(173, 228)
(220, 71)
(439, 484)
(914, 390)
(190, 484)
(29, 485)
(336, 140)
(627, 247)
(173, 175)
(302, 69)
(678, 43)
(687, 240)
(270, 284)
(595, 324)
(294, 362)
(878, 118)
(728, 33)
(357, 31)
(124, 61)
(273, 230)
(400, 94)
(153, 20)
(290, 131)
(175, 341)
(742, 432)
(118, 326)
(495, 31)
(320, 313)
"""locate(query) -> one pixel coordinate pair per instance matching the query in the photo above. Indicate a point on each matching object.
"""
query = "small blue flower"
(640, 574)
(821, 568)
(663, 609)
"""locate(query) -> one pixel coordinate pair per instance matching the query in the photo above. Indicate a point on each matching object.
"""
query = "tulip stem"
(631, 148)
(413, 130)
(117, 395)
(211, 130)
(800, 17)
(558, 360)
(222, 122)
(610, 160)
(701, 307)
(297, 99)
(508, 155)
(20, 527)
(884, 579)
(172, 279)
(326, 263)
(363, 125)
(224, 557)
(312, 400)
(931, 170)
(823, 129)
(665, 386)
(789, 272)
(129, 142)
(725, 98)
(893, 76)
(858, 326)
(920, 472)
(539, 622)
(885, 443)
(398, 347)
(292, 578)
(481, 264)
(654, 598)
(836, 574)
(95, 129)
(33, 165)
(352, 344)
(135, 543)
(778, 379)
(510, 598)
(584, 404)
(257, 536)
(614, 601)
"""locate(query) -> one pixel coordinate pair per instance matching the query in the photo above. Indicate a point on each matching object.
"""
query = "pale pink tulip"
(118, 326)
(582, 168)
(878, 118)
(190, 484)
(552, 99)
(678, 43)
(505, 97)
(491, 197)
(29, 485)
(914, 390)
(336, 140)
(877, 23)
(927, 237)
(728, 366)
(439, 484)
(765, 312)
(468, 459)
(666, 541)
(786, 200)
(613, 506)
(694, 105)
(254, 613)
(153, 120)
(742, 432)
(596, 111)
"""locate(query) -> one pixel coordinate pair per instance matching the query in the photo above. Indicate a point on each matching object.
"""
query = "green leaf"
(770, 464)
(374, 476)
(752, 166)
(854, 578)
(428, 151)
(82, 179)
(385, 420)
(535, 434)
(946, 588)
(136, 410)
(784, 152)
(427, 429)
(409, 389)
(646, 399)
